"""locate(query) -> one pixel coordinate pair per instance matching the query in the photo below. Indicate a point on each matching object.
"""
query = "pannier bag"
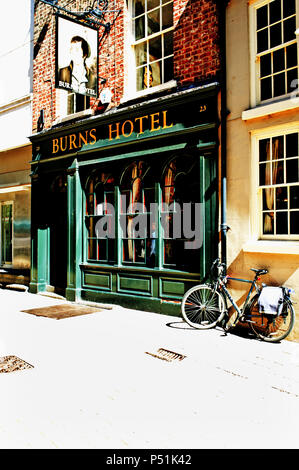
(270, 301)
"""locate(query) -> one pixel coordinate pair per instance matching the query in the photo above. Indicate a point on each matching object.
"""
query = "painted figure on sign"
(80, 78)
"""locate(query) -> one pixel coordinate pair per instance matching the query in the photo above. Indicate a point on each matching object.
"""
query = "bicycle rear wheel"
(271, 328)
(203, 307)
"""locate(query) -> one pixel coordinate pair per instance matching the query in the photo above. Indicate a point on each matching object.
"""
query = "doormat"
(12, 364)
(167, 355)
(59, 312)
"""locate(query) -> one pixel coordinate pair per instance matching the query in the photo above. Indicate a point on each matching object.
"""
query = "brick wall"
(196, 51)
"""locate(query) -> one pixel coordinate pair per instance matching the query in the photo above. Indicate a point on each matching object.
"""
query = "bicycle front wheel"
(271, 328)
(203, 307)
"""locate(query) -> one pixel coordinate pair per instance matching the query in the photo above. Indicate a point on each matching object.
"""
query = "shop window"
(276, 48)
(153, 42)
(6, 232)
(137, 220)
(279, 185)
(146, 214)
(180, 193)
(99, 207)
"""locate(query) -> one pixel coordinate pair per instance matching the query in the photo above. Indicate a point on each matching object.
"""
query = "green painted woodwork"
(74, 233)
(97, 280)
(154, 289)
(133, 284)
(172, 288)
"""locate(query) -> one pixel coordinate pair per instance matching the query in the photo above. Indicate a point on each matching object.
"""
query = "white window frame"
(254, 60)
(130, 89)
(256, 190)
(62, 108)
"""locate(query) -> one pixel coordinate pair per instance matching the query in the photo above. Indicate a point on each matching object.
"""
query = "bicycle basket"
(271, 300)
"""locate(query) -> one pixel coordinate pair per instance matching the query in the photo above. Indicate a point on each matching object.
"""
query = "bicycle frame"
(223, 288)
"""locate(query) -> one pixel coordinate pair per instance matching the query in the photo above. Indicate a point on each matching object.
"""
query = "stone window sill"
(272, 246)
(271, 108)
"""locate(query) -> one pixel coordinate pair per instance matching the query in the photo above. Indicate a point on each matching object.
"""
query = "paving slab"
(92, 384)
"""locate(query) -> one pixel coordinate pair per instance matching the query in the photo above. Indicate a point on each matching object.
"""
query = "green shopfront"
(110, 199)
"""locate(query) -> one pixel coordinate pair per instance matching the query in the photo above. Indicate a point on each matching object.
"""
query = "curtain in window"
(273, 168)
(137, 171)
(169, 183)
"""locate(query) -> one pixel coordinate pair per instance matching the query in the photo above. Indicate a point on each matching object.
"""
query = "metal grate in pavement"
(12, 364)
(166, 355)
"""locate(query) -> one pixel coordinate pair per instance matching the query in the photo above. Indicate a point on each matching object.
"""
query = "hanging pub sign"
(76, 57)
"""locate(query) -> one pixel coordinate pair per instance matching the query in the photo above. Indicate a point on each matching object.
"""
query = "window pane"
(266, 88)
(128, 250)
(266, 65)
(167, 15)
(294, 223)
(289, 28)
(149, 196)
(282, 198)
(281, 223)
(141, 54)
(275, 35)
(168, 69)
(152, 4)
(92, 249)
(139, 28)
(153, 22)
(139, 7)
(102, 250)
(262, 40)
(168, 43)
(277, 172)
(278, 60)
(140, 78)
(155, 71)
(292, 171)
(279, 84)
(288, 8)
(268, 198)
(90, 204)
(264, 149)
(275, 11)
(111, 249)
(155, 48)
(292, 145)
(262, 17)
(268, 223)
(139, 246)
(265, 175)
(292, 80)
(169, 251)
(294, 197)
(291, 56)
(277, 147)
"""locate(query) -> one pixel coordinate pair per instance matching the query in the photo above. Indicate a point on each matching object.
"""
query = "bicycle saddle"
(259, 271)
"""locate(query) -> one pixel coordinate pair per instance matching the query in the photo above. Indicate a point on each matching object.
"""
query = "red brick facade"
(196, 49)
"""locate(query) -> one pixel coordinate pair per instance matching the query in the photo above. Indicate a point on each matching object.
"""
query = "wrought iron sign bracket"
(94, 15)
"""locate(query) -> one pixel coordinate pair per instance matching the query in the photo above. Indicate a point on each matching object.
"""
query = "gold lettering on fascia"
(74, 141)
(153, 122)
(122, 129)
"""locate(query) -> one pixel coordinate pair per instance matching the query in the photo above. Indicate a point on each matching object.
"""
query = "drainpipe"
(222, 4)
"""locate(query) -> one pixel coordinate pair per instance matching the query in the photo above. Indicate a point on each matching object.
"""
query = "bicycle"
(205, 305)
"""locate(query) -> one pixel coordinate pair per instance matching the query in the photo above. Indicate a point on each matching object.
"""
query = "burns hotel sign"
(116, 131)
(76, 57)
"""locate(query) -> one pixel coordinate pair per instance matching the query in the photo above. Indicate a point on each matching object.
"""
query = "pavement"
(92, 385)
